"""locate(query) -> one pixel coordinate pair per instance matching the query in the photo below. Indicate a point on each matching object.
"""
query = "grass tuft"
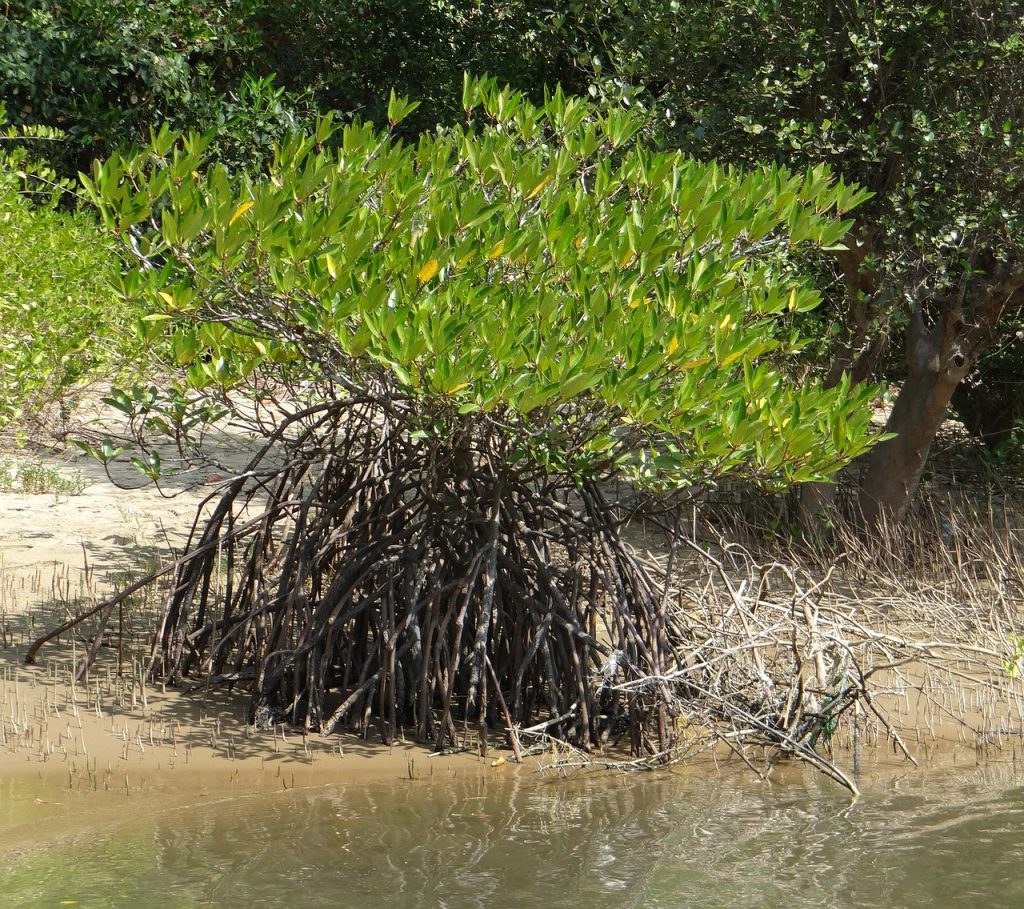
(36, 478)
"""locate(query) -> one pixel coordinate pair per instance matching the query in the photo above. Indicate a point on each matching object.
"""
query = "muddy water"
(915, 839)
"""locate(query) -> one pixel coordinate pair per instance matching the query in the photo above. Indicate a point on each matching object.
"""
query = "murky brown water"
(916, 839)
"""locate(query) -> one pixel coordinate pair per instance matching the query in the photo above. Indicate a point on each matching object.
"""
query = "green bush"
(508, 268)
(60, 323)
(447, 347)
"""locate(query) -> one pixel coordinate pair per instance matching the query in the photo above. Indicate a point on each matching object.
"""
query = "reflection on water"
(923, 840)
(919, 840)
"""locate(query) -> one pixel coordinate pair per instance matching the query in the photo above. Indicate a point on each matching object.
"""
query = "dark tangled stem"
(398, 577)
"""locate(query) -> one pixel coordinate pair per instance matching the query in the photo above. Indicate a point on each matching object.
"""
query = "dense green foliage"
(351, 53)
(917, 102)
(106, 72)
(605, 305)
(60, 324)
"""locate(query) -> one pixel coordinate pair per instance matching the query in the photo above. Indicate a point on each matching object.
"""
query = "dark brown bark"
(894, 468)
(939, 357)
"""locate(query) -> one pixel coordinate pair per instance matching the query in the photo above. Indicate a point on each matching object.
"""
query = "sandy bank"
(110, 738)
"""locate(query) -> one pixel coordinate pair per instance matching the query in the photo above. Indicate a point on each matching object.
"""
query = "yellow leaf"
(792, 300)
(633, 304)
(498, 762)
(539, 188)
(241, 210)
(167, 298)
(496, 250)
(456, 388)
(692, 364)
(626, 259)
(725, 323)
(578, 242)
(428, 271)
(673, 346)
(332, 268)
(733, 357)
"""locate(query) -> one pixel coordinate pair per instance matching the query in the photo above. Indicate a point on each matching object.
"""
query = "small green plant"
(1012, 666)
(36, 478)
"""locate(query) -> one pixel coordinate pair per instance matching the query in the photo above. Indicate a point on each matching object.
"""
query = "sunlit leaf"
(241, 210)
(428, 271)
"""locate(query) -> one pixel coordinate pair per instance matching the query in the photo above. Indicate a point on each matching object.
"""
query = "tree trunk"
(938, 359)
(894, 467)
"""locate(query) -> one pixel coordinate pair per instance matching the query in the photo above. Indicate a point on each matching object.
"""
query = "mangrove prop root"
(417, 587)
